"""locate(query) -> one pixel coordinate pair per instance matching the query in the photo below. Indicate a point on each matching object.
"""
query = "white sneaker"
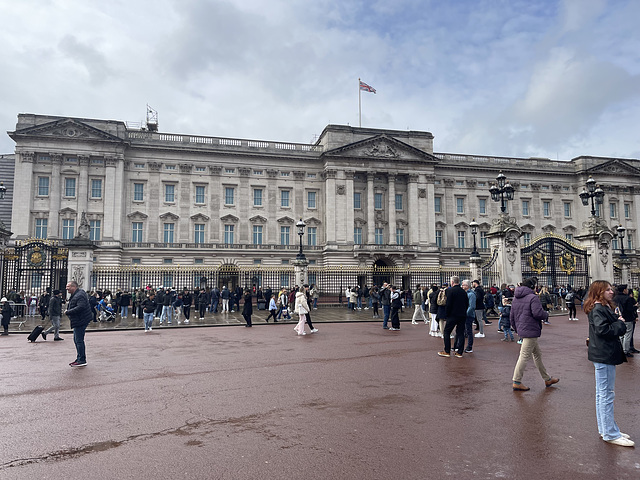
(186, 322)
(479, 335)
(623, 442)
(414, 323)
(150, 328)
(314, 330)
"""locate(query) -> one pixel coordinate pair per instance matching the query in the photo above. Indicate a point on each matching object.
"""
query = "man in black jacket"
(55, 312)
(79, 313)
(457, 305)
(626, 305)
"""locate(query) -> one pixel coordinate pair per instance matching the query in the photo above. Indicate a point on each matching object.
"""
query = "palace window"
(41, 227)
(311, 200)
(284, 235)
(357, 200)
(228, 234)
(229, 195)
(461, 238)
(96, 188)
(257, 197)
(627, 210)
(138, 192)
(43, 186)
(400, 236)
(484, 240)
(357, 235)
(257, 234)
(312, 236)
(399, 201)
(168, 230)
(613, 210)
(68, 227)
(200, 194)
(437, 204)
(377, 201)
(439, 238)
(198, 233)
(482, 206)
(136, 229)
(525, 207)
(94, 231)
(526, 239)
(69, 187)
(379, 233)
(567, 209)
(546, 209)
(284, 198)
(459, 205)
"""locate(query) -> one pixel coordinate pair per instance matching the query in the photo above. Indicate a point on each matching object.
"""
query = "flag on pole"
(366, 88)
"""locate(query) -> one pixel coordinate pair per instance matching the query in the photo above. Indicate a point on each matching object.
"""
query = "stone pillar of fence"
(301, 271)
(504, 236)
(475, 266)
(596, 238)
(80, 262)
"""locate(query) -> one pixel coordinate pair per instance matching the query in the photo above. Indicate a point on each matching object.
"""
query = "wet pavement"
(352, 401)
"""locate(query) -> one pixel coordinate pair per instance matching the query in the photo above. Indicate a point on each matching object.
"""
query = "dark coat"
(479, 291)
(605, 330)
(78, 309)
(527, 313)
(55, 306)
(457, 302)
(247, 309)
(149, 305)
(627, 307)
(7, 313)
(433, 301)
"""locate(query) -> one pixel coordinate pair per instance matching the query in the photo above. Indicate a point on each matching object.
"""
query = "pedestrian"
(396, 306)
(224, 295)
(605, 351)
(441, 316)
(125, 303)
(505, 320)
(374, 295)
(527, 315)
(302, 309)
(79, 313)
(471, 315)
(571, 306)
(54, 311)
(308, 316)
(273, 310)
(418, 313)
(149, 306)
(385, 300)
(457, 303)
(203, 302)
(7, 313)
(167, 310)
(354, 298)
(432, 301)
(187, 300)
(479, 312)
(315, 294)
(626, 308)
(177, 307)
(247, 308)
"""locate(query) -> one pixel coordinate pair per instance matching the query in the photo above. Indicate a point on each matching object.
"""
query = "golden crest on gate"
(568, 263)
(538, 262)
(36, 257)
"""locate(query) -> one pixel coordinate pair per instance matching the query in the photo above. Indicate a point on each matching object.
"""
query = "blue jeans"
(148, 320)
(167, 313)
(359, 302)
(315, 303)
(78, 339)
(124, 311)
(605, 382)
(387, 311)
(214, 306)
(468, 331)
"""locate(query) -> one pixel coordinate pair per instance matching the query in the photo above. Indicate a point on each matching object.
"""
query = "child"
(505, 320)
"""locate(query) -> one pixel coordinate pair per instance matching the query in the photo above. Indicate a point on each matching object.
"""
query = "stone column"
(23, 195)
(413, 210)
(350, 214)
(56, 196)
(371, 214)
(80, 263)
(330, 195)
(109, 188)
(392, 209)
(596, 238)
(83, 184)
(430, 212)
(301, 271)
(118, 206)
(504, 236)
(475, 267)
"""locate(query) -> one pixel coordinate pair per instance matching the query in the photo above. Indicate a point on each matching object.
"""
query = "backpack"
(569, 296)
(442, 298)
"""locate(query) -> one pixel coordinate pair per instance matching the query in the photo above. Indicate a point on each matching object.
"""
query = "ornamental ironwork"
(555, 261)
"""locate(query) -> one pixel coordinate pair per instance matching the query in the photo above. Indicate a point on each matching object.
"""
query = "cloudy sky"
(547, 78)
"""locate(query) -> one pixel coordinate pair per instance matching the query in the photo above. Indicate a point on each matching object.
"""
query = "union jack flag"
(367, 88)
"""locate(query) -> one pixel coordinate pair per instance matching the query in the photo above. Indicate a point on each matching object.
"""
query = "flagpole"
(359, 105)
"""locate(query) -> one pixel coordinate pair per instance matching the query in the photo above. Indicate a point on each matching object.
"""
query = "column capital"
(28, 157)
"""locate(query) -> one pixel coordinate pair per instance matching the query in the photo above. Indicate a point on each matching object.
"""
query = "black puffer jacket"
(605, 330)
(78, 309)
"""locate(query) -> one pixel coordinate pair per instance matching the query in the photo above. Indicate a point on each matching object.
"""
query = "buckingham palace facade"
(367, 196)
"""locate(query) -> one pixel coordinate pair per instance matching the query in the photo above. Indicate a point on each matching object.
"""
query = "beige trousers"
(528, 349)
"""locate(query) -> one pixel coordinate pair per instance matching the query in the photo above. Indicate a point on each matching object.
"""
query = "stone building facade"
(367, 196)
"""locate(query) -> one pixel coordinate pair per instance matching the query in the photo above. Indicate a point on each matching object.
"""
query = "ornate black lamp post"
(301, 225)
(592, 192)
(502, 191)
(474, 232)
(3, 190)
(620, 232)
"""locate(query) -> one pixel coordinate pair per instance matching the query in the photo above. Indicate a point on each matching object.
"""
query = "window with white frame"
(94, 230)
(567, 209)
(525, 207)
(312, 236)
(546, 209)
(379, 236)
(399, 201)
(437, 204)
(168, 231)
(311, 200)
(257, 197)
(357, 235)
(68, 227)
(482, 206)
(284, 198)
(630, 240)
(229, 194)
(400, 236)
(257, 234)
(461, 238)
(484, 240)
(526, 238)
(357, 200)
(228, 234)
(627, 210)
(613, 213)
(377, 201)
(439, 238)
(96, 188)
(284, 234)
(459, 205)
(569, 236)
(198, 233)
(69, 187)
(41, 227)
(43, 186)
(138, 192)
(200, 194)
(136, 232)
(169, 193)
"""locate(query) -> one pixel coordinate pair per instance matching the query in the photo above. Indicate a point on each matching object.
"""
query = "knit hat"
(621, 288)
(56, 292)
(530, 282)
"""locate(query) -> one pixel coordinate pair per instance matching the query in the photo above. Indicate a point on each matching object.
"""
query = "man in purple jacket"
(527, 316)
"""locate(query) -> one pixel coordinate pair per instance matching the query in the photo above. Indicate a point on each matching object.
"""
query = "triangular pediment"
(137, 215)
(229, 218)
(312, 221)
(286, 219)
(67, 128)
(382, 148)
(615, 166)
(258, 219)
(67, 211)
(169, 216)
(199, 217)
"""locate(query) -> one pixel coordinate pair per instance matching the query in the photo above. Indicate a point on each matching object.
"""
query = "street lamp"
(300, 225)
(502, 191)
(592, 192)
(3, 190)
(620, 232)
(474, 232)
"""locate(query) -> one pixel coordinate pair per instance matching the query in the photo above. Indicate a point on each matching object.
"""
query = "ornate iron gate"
(555, 261)
(34, 266)
(490, 275)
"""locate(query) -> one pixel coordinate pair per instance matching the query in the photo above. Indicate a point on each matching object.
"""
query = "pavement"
(352, 401)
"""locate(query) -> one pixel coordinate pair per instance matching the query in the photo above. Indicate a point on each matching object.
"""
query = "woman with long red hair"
(605, 351)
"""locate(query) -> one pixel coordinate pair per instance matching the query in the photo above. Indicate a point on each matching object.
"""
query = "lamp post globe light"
(3, 190)
(301, 225)
(502, 191)
(593, 192)
(620, 232)
(474, 232)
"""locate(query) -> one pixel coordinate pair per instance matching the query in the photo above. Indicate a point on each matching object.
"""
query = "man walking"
(418, 313)
(627, 310)
(480, 313)
(471, 315)
(385, 300)
(79, 313)
(55, 312)
(456, 307)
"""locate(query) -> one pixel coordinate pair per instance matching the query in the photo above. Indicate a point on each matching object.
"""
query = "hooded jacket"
(527, 313)
(605, 330)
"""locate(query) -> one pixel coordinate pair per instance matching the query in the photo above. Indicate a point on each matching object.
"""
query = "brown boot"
(518, 387)
(551, 381)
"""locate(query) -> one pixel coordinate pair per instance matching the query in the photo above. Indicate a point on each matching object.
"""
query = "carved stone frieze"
(382, 150)
(330, 174)
(272, 173)
(422, 193)
(299, 174)
(83, 160)
(413, 178)
(349, 174)
(535, 187)
(155, 166)
(471, 183)
(28, 157)
(556, 187)
(111, 161)
(56, 158)
(341, 189)
(448, 182)
(185, 167)
(430, 178)
(215, 169)
(244, 172)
